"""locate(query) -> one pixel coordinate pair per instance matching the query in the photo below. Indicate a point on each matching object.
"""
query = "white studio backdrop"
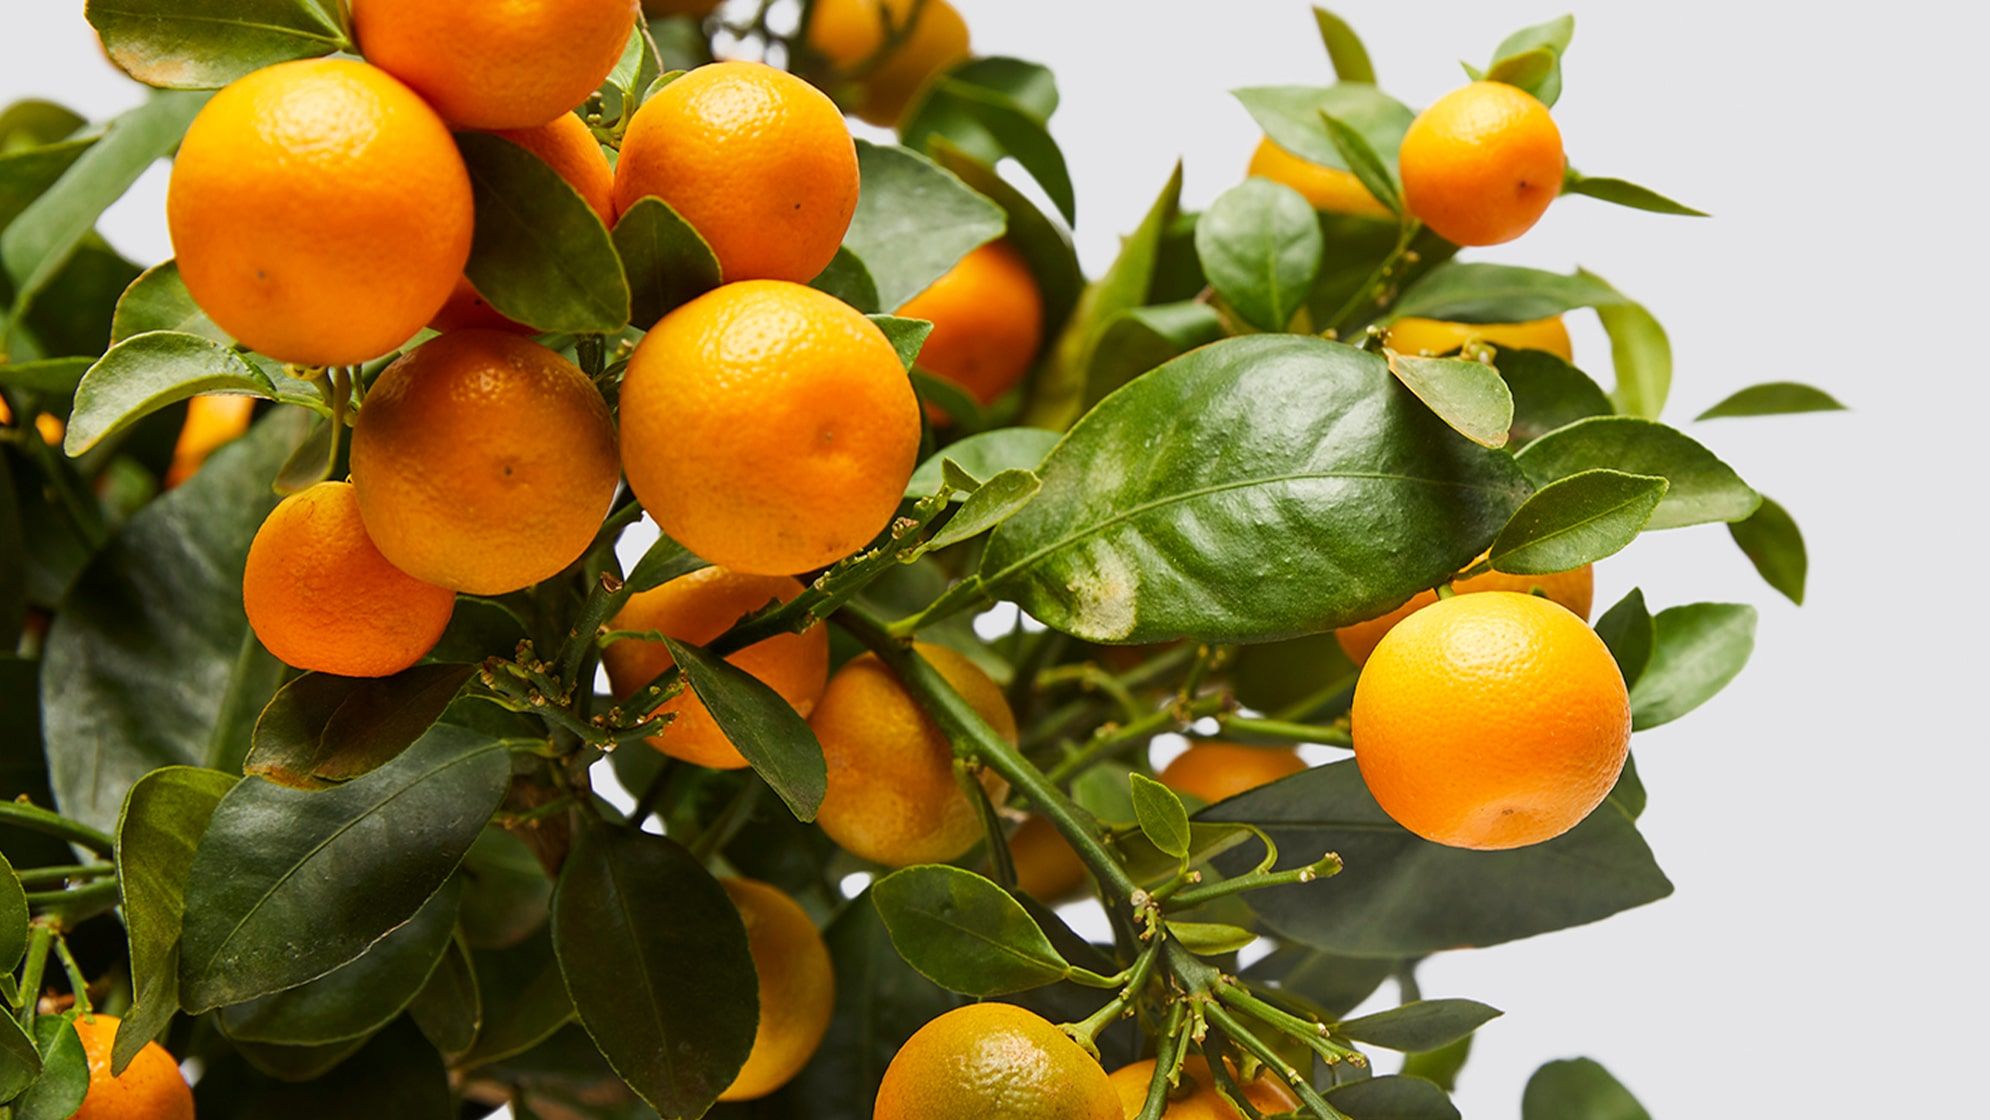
(1823, 948)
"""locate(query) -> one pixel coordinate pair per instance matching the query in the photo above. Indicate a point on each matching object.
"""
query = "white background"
(1823, 954)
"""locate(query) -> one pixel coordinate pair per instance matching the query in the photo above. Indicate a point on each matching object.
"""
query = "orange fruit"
(1573, 589)
(1482, 164)
(516, 64)
(483, 462)
(892, 797)
(567, 146)
(1327, 188)
(1411, 335)
(319, 211)
(1489, 721)
(696, 608)
(797, 987)
(1219, 771)
(1198, 1098)
(849, 33)
(212, 420)
(320, 596)
(768, 427)
(758, 161)
(151, 1088)
(1047, 868)
(994, 1061)
(987, 318)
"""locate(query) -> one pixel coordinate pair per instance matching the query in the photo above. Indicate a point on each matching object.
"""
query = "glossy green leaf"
(665, 561)
(312, 462)
(992, 503)
(540, 254)
(1548, 393)
(65, 1073)
(775, 739)
(289, 885)
(1210, 938)
(950, 399)
(1696, 650)
(33, 121)
(991, 123)
(1529, 70)
(1245, 492)
(165, 597)
(188, 44)
(985, 455)
(907, 336)
(1702, 488)
(396, 1074)
(1260, 247)
(1441, 1066)
(1392, 1097)
(320, 730)
(523, 996)
(1424, 1024)
(1144, 337)
(1575, 521)
(847, 279)
(55, 377)
(1358, 245)
(298, 1064)
(1476, 292)
(1295, 117)
(158, 831)
(1628, 630)
(1773, 543)
(656, 960)
(1622, 192)
(1329, 982)
(1642, 355)
(1551, 37)
(1774, 398)
(1466, 394)
(1344, 48)
(159, 301)
(665, 262)
(1403, 896)
(1368, 165)
(964, 933)
(914, 221)
(27, 173)
(447, 1009)
(1160, 814)
(20, 1059)
(146, 373)
(1044, 244)
(13, 918)
(625, 87)
(1578, 1089)
(506, 891)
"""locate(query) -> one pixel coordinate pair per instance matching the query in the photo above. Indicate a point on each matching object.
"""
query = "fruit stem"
(79, 986)
(1086, 1034)
(1315, 1035)
(1167, 1062)
(37, 819)
(1328, 865)
(1372, 286)
(1242, 1036)
(1326, 734)
(40, 935)
(41, 876)
(1003, 860)
(1113, 738)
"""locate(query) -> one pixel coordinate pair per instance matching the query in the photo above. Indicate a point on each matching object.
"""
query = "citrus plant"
(326, 634)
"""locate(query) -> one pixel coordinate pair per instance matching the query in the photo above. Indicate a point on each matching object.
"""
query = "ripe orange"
(1411, 335)
(1218, 771)
(892, 797)
(696, 608)
(1047, 868)
(1573, 589)
(212, 420)
(797, 988)
(567, 146)
(151, 1088)
(516, 64)
(483, 462)
(1327, 188)
(1199, 1099)
(1491, 721)
(758, 161)
(987, 318)
(768, 427)
(1482, 164)
(320, 211)
(849, 33)
(994, 1061)
(320, 596)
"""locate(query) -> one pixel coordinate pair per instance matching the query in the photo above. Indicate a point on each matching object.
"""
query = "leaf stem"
(1001, 859)
(1167, 1062)
(39, 876)
(79, 986)
(40, 936)
(37, 819)
(1111, 739)
(1325, 867)
(1372, 286)
(1331, 735)
(1242, 1036)
(1315, 1034)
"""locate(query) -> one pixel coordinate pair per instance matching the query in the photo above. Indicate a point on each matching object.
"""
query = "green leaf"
(146, 373)
(359, 997)
(289, 885)
(37, 245)
(1575, 521)
(665, 561)
(176, 44)
(1392, 1097)
(1441, 1066)
(158, 831)
(1141, 338)
(523, 995)
(1773, 543)
(159, 301)
(1044, 244)
(665, 261)
(1628, 630)
(914, 221)
(312, 462)
(1475, 292)
(506, 891)
(320, 730)
(984, 455)
(1702, 488)
(1466, 394)
(1622, 192)
(1344, 48)
(65, 1073)
(298, 1063)
(150, 661)
(1376, 174)
(1260, 247)
(1642, 355)
(1548, 393)
(1209, 938)
(992, 124)
(540, 254)
(992, 503)
(775, 739)
(954, 402)
(847, 279)
(623, 90)
(1403, 896)
(1160, 814)
(447, 1009)
(964, 933)
(1774, 398)
(1530, 70)
(13, 918)
(1552, 37)
(396, 1074)
(1295, 117)
(907, 336)
(1253, 489)
(1578, 1089)
(1696, 650)
(20, 1059)
(55, 377)
(1420, 1025)
(656, 960)
(1332, 984)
